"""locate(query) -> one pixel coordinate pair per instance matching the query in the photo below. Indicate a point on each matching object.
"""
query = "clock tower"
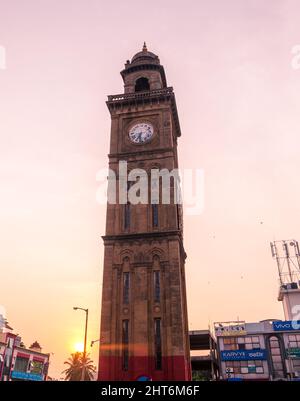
(144, 326)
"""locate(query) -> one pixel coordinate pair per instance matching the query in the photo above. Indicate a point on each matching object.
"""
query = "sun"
(78, 347)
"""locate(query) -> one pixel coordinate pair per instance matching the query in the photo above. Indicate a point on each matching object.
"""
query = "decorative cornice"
(145, 66)
(153, 94)
(137, 98)
(30, 351)
(144, 152)
(142, 236)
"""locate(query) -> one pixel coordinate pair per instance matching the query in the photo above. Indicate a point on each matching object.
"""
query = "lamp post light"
(85, 338)
(95, 341)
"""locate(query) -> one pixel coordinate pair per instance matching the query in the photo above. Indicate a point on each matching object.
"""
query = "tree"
(200, 375)
(75, 365)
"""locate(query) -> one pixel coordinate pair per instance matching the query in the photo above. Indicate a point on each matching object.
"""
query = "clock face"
(141, 133)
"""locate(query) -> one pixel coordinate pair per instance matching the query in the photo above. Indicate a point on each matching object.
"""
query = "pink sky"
(238, 102)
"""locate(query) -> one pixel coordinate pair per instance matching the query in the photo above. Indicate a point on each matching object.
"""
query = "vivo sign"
(244, 355)
(287, 325)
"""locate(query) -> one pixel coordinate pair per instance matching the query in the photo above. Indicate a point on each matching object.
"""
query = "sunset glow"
(78, 347)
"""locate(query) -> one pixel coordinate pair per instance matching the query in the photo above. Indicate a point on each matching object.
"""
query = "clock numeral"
(141, 133)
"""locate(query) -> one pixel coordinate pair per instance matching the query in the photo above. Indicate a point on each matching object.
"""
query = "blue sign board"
(244, 355)
(235, 379)
(144, 378)
(287, 325)
(26, 376)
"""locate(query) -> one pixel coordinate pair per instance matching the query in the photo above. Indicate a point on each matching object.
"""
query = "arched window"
(126, 281)
(156, 278)
(276, 357)
(156, 285)
(155, 215)
(127, 209)
(125, 344)
(127, 216)
(141, 85)
(157, 344)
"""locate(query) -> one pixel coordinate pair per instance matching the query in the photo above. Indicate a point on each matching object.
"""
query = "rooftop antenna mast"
(287, 255)
(295, 244)
(275, 255)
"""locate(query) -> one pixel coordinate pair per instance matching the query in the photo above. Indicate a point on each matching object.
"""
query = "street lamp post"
(95, 341)
(85, 338)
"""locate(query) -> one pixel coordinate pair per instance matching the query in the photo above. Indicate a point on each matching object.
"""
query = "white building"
(266, 350)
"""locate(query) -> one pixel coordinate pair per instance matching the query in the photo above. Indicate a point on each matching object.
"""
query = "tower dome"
(145, 57)
(144, 72)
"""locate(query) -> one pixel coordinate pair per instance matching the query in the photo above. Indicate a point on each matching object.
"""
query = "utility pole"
(85, 339)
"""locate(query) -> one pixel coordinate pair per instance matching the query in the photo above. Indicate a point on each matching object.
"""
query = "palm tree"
(76, 363)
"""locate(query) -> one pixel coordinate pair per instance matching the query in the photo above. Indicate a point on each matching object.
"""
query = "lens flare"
(78, 347)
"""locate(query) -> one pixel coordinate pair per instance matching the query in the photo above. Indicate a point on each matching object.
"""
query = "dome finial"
(145, 47)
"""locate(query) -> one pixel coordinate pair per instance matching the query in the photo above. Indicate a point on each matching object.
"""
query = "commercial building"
(20, 363)
(204, 356)
(265, 350)
(269, 349)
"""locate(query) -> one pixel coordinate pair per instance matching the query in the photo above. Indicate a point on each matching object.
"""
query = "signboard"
(287, 325)
(144, 378)
(231, 330)
(26, 376)
(244, 355)
(293, 352)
